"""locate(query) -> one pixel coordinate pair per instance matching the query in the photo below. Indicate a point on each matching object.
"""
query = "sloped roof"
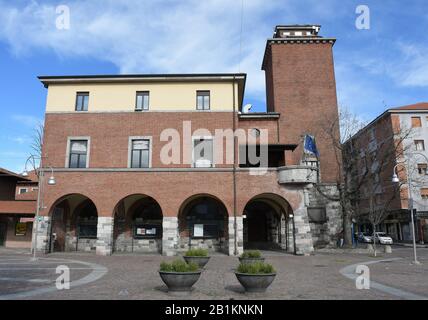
(7, 173)
(17, 207)
(416, 106)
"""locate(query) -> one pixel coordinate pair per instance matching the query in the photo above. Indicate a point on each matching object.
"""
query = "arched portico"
(74, 220)
(268, 223)
(137, 225)
(203, 223)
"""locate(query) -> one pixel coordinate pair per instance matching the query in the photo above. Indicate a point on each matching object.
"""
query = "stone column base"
(303, 235)
(41, 234)
(104, 244)
(239, 238)
(169, 236)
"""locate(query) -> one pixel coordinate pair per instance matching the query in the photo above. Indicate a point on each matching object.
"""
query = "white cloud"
(28, 121)
(150, 36)
(413, 71)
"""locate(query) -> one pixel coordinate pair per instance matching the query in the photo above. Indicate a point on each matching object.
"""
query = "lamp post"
(51, 181)
(395, 179)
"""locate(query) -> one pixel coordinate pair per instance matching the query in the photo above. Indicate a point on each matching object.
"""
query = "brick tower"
(301, 86)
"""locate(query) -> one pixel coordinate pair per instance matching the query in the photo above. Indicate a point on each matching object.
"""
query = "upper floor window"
(22, 190)
(419, 145)
(416, 122)
(424, 193)
(203, 152)
(82, 100)
(78, 154)
(422, 168)
(142, 101)
(202, 100)
(372, 134)
(140, 153)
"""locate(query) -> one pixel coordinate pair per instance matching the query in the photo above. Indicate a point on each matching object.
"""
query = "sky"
(376, 68)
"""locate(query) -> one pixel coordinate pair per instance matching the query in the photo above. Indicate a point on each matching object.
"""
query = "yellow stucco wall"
(166, 96)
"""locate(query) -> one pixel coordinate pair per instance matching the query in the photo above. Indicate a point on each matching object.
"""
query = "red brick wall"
(109, 134)
(301, 79)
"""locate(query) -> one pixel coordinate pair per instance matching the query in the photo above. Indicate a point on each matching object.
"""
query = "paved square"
(320, 276)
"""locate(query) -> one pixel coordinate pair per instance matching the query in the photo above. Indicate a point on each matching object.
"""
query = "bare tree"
(371, 157)
(37, 143)
(347, 125)
(365, 159)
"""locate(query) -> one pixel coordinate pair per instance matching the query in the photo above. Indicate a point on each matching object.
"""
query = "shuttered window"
(422, 168)
(416, 122)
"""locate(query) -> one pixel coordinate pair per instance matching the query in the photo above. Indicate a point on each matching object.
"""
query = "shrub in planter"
(251, 257)
(179, 275)
(255, 277)
(198, 256)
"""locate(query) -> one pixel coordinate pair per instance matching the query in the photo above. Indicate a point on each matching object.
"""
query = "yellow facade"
(119, 97)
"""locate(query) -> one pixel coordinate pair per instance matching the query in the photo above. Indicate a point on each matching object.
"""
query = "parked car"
(364, 237)
(383, 238)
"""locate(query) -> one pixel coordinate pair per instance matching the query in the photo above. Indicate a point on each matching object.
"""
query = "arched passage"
(203, 223)
(74, 224)
(268, 223)
(138, 225)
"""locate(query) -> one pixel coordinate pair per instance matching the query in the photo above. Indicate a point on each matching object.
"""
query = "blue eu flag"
(310, 145)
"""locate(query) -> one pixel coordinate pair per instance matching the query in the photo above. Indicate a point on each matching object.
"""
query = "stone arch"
(203, 223)
(74, 219)
(137, 225)
(268, 223)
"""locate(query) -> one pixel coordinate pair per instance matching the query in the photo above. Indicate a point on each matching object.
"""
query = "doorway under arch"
(268, 223)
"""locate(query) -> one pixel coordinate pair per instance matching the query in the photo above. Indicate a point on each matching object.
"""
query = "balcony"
(297, 175)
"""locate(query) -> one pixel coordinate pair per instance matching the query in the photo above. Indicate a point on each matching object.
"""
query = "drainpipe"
(235, 226)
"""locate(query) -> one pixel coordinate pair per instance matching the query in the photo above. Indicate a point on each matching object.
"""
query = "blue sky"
(377, 68)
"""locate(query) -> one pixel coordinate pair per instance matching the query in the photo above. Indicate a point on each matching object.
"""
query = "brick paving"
(136, 277)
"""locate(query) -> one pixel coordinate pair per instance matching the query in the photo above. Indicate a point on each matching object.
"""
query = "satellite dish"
(247, 108)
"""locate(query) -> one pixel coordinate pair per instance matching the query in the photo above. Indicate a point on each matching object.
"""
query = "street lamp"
(395, 179)
(40, 174)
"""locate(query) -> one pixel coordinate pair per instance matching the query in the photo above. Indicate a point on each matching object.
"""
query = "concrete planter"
(200, 261)
(255, 282)
(251, 260)
(179, 281)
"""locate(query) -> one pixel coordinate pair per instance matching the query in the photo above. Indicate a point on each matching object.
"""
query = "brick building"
(397, 135)
(139, 165)
(18, 196)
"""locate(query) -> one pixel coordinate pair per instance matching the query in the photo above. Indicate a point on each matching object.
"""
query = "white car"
(383, 238)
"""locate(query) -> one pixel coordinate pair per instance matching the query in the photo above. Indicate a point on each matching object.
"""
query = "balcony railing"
(297, 175)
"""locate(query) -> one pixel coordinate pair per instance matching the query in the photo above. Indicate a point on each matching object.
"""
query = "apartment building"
(143, 163)
(393, 143)
(18, 196)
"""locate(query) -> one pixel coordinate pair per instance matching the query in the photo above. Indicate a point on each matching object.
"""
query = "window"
(142, 101)
(140, 153)
(372, 134)
(22, 190)
(419, 145)
(416, 122)
(203, 100)
(424, 193)
(203, 152)
(82, 100)
(422, 168)
(78, 154)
